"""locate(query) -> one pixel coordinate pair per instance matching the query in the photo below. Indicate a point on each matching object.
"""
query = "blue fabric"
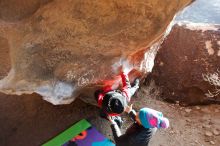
(106, 142)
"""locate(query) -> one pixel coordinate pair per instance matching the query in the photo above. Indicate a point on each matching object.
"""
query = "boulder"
(188, 62)
(13, 10)
(66, 47)
(5, 64)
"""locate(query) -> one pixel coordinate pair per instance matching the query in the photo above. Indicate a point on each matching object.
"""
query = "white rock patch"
(218, 53)
(209, 48)
(218, 48)
(198, 26)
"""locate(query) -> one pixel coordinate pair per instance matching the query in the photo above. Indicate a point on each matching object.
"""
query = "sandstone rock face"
(66, 47)
(12, 10)
(5, 64)
(189, 53)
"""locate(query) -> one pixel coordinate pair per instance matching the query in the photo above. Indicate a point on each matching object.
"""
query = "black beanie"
(116, 106)
(114, 102)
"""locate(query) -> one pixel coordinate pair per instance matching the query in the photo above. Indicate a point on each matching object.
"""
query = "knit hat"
(151, 118)
(164, 123)
(114, 103)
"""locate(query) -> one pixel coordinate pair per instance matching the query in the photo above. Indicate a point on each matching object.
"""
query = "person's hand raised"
(110, 119)
(128, 108)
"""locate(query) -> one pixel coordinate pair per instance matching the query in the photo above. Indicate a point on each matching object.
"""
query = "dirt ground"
(189, 126)
(27, 120)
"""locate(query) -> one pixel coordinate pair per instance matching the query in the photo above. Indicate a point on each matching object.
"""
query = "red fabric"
(123, 79)
(124, 85)
(101, 95)
(109, 88)
(113, 114)
(100, 98)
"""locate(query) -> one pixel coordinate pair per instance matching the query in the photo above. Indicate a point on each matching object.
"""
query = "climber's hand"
(128, 108)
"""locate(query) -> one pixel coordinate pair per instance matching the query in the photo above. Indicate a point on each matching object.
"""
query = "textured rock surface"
(13, 10)
(5, 64)
(62, 47)
(189, 52)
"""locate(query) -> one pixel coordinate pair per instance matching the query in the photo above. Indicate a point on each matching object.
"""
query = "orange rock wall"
(57, 48)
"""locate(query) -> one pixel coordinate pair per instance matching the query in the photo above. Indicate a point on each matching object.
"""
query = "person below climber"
(146, 122)
(113, 102)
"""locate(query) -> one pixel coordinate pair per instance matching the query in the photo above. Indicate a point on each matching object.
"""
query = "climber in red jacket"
(113, 102)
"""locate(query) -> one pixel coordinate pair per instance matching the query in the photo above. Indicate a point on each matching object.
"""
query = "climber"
(112, 102)
(146, 122)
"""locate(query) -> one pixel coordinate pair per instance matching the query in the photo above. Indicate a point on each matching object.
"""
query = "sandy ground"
(27, 120)
(190, 126)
